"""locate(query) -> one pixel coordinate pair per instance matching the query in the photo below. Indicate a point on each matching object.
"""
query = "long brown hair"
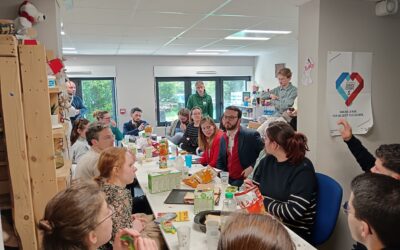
(205, 142)
(79, 123)
(110, 158)
(254, 232)
(293, 143)
(70, 216)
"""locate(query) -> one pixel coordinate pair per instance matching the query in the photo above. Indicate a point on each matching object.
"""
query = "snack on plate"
(203, 176)
(179, 216)
(252, 200)
(189, 196)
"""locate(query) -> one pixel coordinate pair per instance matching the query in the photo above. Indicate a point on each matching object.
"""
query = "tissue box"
(162, 181)
(203, 200)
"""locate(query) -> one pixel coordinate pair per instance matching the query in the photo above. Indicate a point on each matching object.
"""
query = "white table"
(197, 237)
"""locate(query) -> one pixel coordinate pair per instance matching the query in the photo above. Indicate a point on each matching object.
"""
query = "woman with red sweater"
(209, 139)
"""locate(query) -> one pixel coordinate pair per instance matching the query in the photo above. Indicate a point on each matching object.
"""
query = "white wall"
(135, 79)
(265, 66)
(348, 26)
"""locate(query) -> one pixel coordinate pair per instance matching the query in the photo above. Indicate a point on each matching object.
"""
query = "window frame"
(219, 102)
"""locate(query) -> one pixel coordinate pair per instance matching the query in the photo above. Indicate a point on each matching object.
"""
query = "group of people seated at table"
(272, 158)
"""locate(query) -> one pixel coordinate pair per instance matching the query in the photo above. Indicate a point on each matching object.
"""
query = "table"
(197, 238)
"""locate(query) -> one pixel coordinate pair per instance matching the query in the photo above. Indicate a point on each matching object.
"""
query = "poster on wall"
(349, 90)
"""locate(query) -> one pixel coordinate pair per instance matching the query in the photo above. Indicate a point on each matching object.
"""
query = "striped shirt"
(290, 192)
(190, 139)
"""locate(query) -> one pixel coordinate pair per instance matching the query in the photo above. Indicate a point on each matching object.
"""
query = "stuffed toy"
(28, 16)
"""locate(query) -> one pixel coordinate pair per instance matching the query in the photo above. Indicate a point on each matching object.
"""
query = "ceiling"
(175, 27)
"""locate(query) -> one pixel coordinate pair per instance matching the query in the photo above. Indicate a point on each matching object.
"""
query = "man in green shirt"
(201, 99)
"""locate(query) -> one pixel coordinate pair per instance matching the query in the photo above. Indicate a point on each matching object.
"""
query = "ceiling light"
(62, 33)
(68, 48)
(247, 38)
(212, 50)
(204, 53)
(268, 31)
(70, 52)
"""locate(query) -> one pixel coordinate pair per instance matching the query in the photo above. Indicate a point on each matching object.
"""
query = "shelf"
(63, 175)
(58, 132)
(54, 90)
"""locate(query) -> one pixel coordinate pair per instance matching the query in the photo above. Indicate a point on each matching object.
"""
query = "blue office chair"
(327, 209)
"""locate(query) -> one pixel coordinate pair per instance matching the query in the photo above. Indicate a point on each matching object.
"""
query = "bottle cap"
(229, 195)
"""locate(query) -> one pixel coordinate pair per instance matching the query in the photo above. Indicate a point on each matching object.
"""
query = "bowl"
(200, 218)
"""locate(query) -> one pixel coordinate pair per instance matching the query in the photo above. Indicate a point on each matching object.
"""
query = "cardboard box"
(161, 181)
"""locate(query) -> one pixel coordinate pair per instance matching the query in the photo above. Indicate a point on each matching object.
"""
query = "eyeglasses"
(111, 213)
(227, 117)
(346, 208)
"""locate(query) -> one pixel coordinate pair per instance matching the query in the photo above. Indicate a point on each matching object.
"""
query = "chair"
(329, 200)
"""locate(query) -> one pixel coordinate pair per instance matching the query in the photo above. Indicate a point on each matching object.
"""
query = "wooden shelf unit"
(25, 112)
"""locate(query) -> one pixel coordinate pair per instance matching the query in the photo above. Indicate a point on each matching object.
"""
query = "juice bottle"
(163, 159)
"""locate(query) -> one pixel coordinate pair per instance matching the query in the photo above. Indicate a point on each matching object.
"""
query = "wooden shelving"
(54, 90)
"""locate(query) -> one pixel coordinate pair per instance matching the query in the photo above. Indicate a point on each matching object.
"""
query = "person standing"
(283, 96)
(76, 102)
(202, 100)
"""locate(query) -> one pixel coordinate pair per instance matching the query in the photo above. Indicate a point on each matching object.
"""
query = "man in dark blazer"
(239, 147)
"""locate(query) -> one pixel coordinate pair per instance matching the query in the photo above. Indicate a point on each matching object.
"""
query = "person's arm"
(128, 131)
(364, 158)
(288, 101)
(301, 194)
(190, 103)
(80, 106)
(210, 108)
(118, 135)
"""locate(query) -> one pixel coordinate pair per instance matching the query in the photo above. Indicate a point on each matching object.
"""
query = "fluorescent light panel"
(247, 38)
(70, 52)
(284, 32)
(212, 50)
(68, 48)
(203, 53)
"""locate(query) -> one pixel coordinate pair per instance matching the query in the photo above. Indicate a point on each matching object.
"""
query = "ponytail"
(296, 148)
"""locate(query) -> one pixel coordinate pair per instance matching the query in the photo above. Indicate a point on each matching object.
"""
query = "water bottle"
(228, 207)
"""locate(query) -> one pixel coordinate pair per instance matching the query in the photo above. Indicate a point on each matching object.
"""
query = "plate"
(200, 218)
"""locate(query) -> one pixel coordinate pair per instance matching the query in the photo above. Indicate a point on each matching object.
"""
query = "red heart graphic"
(360, 86)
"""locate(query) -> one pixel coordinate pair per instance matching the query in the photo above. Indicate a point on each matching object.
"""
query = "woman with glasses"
(287, 179)
(79, 144)
(209, 140)
(79, 218)
(105, 117)
(189, 141)
(116, 167)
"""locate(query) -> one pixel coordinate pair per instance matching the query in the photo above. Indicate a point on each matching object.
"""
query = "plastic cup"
(148, 152)
(224, 178)
(184, 237)
(188, 160)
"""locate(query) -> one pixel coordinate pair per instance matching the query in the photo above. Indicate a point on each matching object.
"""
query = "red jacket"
(210, 156)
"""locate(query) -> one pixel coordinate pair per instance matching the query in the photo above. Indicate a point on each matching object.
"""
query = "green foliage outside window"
(97, 95)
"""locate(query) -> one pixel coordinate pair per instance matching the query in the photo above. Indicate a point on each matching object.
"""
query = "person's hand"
(183, 127)
(138, 225)
(137, 217)
(273, 97)
(247, 171)
(345, 131)
(121, 244)
(113, 123)
(141, 127)
(145, 244)
(248, 183)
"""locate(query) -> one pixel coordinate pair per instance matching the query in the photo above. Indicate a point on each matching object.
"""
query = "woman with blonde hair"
(116, 167)
(79, 218)
(254, 232)
(105, 117)
(209, 139)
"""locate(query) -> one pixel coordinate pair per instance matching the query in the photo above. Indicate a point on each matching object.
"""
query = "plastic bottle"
(228, 207)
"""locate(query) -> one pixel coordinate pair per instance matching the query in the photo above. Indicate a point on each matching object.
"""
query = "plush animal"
(28, 16)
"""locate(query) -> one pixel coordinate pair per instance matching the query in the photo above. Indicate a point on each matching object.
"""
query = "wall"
(135, 79)
(265, 66)
(348, 26)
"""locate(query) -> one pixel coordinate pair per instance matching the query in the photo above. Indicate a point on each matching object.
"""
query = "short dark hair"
(93, 131)
(389, 154)
(136, 109)
(234, 108)
(376, 201)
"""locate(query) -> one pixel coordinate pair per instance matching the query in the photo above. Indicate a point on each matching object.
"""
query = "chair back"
(329, 200)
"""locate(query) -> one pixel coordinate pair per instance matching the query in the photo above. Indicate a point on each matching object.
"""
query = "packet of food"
(168, 227)
(251, 200)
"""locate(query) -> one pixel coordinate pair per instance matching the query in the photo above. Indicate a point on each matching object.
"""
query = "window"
(97, 94)
(172, 94)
